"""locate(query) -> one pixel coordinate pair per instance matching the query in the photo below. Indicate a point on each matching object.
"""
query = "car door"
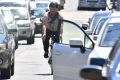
(68, 56)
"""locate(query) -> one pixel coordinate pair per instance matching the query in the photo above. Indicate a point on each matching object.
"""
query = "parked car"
(25, 22)
(92, 4)
(41, 8)
(7, 51)
(71, 53)
(11, 22)
(100, 24)
(94, 20)
(106, 39)
(110, 70)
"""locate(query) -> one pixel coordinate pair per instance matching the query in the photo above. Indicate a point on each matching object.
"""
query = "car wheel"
(16, 44)
(29, 41)
(33, 39)
(6, 73)
(12, 68)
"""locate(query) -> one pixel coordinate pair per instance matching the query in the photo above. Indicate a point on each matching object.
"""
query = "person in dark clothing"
(51, 26)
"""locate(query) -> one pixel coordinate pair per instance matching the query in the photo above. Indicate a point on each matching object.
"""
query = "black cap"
(54, 4)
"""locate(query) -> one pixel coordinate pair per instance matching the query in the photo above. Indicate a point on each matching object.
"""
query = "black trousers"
(46, 39)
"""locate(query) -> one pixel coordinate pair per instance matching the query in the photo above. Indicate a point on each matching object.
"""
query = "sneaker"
(46, 55)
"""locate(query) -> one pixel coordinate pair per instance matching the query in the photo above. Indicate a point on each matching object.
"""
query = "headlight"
(2, 47)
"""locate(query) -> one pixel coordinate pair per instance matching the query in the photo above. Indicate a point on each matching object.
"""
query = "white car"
(100, 24)
(71, 53)
(94, 20)
(109, 33)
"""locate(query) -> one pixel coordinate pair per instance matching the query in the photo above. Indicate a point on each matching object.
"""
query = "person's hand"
(44, 36)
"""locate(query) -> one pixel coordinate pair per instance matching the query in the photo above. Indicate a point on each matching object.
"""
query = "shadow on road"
(44, 74)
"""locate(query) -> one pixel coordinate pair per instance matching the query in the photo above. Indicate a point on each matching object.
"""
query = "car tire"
(33, 39)
(16, 44)
(30, 40)
(12, 68)
(6, 73)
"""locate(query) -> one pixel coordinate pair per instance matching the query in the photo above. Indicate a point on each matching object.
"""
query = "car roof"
(102, 12)
(114, 20)
(116, 13)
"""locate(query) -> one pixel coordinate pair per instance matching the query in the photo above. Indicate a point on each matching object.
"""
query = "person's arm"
(44, 22)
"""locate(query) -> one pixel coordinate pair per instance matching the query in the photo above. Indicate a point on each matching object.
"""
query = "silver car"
(26, 26)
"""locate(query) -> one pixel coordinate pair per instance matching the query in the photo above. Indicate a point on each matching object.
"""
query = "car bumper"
(24, 33)
(5, 59)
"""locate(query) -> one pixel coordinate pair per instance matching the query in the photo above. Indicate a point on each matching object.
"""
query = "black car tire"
(12, 68)
(16, 44)
(30, 40)
(6, 73)
(33, 39)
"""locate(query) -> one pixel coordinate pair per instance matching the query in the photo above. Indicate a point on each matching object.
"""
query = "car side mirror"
(32, 17)
(91, 72)
(89, 32)
(16, 17)
(41, 19)
(76, 43)
(85, 26)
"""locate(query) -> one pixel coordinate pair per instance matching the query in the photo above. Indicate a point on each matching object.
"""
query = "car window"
(42, 5)
(72, 31)
(38, 12)
(96, 18)
(116, 66)
(22, 13)
(110, 34)
(99, 26)
(8, 18)
(12, 4)
(2, 27)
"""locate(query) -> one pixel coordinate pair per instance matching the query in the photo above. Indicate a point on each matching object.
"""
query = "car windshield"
(110, 34)
(11, 4)
(96, 18)
(41, 5)
(38, 12)
(22, 13)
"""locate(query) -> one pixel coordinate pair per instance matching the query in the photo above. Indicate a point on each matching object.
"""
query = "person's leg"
(46, 45)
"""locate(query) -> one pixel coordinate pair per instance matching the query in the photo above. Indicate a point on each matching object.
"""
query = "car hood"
(100, 52)
(2, 38)
(23, 21)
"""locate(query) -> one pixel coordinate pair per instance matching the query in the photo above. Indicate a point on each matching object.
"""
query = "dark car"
(25, 22)
(38, 13)
(109, 71)
(7, 50)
